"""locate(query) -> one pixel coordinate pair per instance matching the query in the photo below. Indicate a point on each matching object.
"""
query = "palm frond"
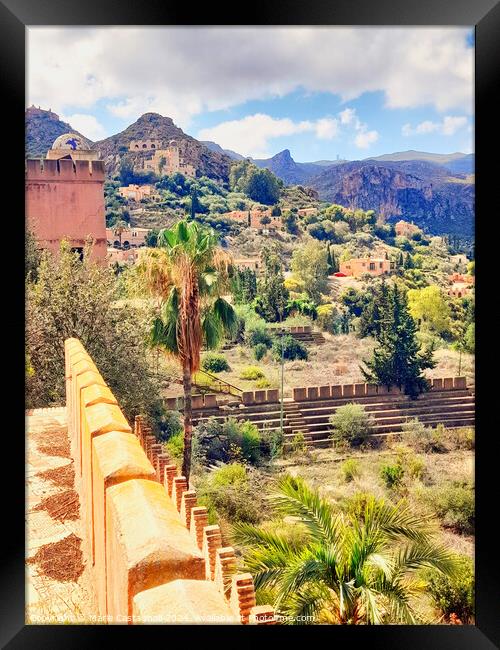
(304, 607)
(226, 314)
(297, 499)
(418, 555)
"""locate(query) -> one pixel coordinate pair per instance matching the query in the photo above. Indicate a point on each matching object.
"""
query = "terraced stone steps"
(390, 412)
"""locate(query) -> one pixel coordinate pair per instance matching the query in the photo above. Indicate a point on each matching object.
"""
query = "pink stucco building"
(65, 198)
(361, 265)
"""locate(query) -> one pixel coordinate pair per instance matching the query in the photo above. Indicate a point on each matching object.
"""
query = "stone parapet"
(152, 547)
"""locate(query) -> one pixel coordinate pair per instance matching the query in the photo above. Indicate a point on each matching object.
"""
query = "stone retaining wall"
(343, 391)
(155, 559)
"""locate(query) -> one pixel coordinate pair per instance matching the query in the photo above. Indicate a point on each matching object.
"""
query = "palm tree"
(189, 272)
(347, 568)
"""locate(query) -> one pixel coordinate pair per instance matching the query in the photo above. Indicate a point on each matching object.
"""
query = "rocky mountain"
(285, 167)
(456, 162)
(465, 165)
(213, 146)
(421, 191)
(42, 128)
(411, 154)
(153, 126)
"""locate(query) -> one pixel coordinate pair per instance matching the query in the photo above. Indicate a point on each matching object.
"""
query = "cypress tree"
(398, 360)
(408, 264)
(372, 314)
(272, 297)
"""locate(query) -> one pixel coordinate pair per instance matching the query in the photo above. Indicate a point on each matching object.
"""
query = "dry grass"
(337, 361)
(62, 560)
(322, 469)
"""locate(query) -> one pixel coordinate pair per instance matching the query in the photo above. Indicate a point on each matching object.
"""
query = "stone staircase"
(390, 412)
(305, 333)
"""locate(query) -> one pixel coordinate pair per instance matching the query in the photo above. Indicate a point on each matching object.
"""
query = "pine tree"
(398, 360)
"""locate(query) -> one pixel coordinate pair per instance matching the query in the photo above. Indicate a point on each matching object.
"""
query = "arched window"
(153, 146)
(144, 146)
(137, 146)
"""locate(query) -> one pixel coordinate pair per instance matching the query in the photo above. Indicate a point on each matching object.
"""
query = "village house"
(361, 265)
(253, 219)
(459, 260)
(459, 277)
(406, 229)
(118, 255)
(460, 290)
(136, 192)
(130, 238)
(253, 263)
(305, 212)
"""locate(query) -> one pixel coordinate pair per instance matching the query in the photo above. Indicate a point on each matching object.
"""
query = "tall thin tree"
(189, 272)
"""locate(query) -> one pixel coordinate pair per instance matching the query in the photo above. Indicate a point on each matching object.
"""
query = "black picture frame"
(15, 15)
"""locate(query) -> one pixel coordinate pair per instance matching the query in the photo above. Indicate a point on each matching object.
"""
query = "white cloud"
(250, 135)
(365, 138)
(448, 126)
(183, 71)
(88, 125)
(326, 128)
(452, 124)
(347, 116)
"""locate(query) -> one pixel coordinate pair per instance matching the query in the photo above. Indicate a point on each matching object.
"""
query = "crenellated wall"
(155, 559)
(65, 200)
(342, 391)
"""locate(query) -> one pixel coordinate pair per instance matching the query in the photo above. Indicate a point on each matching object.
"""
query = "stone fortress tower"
(65, 196)
(164, 160)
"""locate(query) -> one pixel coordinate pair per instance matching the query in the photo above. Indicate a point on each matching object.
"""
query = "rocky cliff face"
(285, 167)
(156, 127)
(42, 128)
(423, 192)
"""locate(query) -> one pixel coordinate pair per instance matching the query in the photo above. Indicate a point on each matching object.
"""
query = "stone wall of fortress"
(65, 200)
(155, 559)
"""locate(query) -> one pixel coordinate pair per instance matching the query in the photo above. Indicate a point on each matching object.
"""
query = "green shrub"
(298, 443)
(262, 383)
(290, 348)
(453, 503)
(251, 372)
(454, 594)
(461, 438)
(259, 351)
(231, 492)
(258, 334)
(232, 474)
(351, 424)
(350, 469)
(169, 424)
(422, 438)
(392, 475)
(228, 441)
(175, 446)
(213, 362)
(413, 465)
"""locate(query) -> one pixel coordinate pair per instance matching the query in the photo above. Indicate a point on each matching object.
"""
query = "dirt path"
(59, 586)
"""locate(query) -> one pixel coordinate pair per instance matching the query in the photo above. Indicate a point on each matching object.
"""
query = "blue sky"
(320, 92)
